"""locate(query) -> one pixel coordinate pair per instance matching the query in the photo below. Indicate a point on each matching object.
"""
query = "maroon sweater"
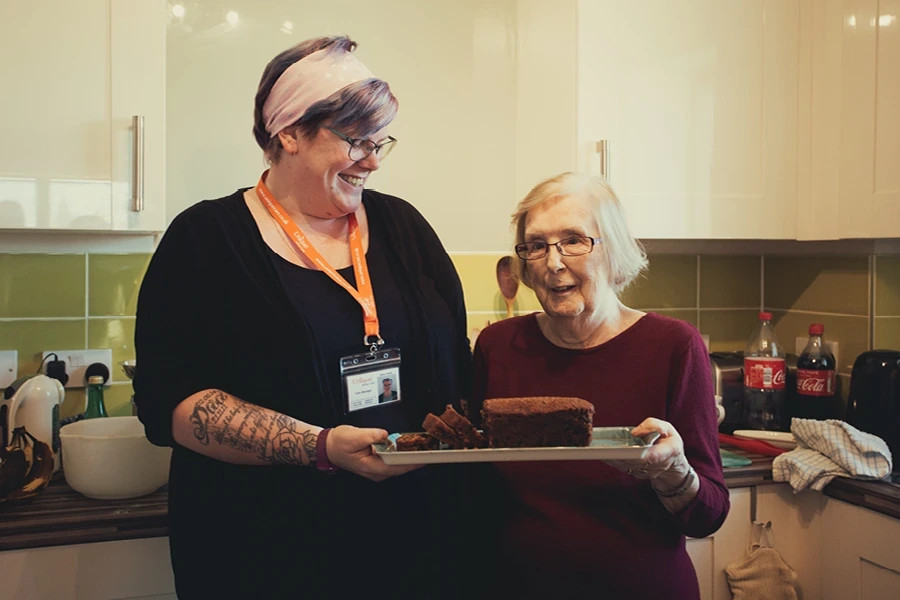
(582, 528)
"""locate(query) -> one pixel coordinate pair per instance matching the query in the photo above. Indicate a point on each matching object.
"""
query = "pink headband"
(310, 79)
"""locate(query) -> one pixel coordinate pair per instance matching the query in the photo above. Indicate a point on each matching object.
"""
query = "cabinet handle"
(603, 153)
(137, 194)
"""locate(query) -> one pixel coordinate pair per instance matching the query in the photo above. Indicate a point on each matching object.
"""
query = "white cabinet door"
(855, 149)
(74, 73)
(699, 103)
(798, 530)
(860, 553)
(102, 571)
(712, 554)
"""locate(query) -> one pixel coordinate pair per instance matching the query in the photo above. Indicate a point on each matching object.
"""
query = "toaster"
(728, 382)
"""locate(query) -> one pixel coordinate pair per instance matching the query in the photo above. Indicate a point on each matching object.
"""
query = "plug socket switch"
(76, 364)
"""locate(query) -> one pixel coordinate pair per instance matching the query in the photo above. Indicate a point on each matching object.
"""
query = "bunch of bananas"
(26, 466)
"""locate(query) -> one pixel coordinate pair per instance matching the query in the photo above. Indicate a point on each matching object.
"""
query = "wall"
(94, 297)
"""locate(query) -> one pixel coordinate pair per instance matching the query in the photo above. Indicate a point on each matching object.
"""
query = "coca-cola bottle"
(815, 378)
(764, 376)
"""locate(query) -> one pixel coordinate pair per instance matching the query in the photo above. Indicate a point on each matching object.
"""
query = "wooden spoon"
(508, 283)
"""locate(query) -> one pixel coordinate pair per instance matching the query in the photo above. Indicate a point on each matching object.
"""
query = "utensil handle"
(137, 193)
(603, 153)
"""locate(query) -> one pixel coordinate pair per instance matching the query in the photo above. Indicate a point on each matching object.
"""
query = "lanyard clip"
(373, 344)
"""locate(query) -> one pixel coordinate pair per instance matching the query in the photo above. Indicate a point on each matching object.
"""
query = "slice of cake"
(409, 442)
(537, 422)
(472, 438)
(436, 427)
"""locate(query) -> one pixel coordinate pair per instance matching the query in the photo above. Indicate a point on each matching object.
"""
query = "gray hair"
(625, 257)
(359, 110)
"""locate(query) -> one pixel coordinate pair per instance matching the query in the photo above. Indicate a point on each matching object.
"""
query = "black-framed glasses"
(572, 246)
(361, 148)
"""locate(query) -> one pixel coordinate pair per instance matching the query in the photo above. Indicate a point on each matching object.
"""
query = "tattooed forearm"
(245, 427)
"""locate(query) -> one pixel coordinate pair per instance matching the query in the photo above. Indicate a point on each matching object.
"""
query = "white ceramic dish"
(779, 439)
(609, 443)
(111, 458)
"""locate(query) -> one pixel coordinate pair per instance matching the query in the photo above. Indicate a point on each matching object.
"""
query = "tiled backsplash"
(71, 302)
(87, 300)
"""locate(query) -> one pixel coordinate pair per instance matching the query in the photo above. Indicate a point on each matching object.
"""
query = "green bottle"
(95, 406)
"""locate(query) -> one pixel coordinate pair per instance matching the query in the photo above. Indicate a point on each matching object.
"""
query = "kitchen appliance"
(33, 401)
(728, 381)
(873, 405)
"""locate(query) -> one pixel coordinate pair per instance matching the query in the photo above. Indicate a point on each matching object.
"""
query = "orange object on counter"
(757, 446)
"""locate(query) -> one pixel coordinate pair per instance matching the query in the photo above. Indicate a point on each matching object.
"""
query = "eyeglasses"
(573, 246)
(361, 148)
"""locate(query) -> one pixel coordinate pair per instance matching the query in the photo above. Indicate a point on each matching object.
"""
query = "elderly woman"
(590, 529)
(266, 320)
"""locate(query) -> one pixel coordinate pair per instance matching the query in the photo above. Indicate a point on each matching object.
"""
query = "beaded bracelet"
(682, 487)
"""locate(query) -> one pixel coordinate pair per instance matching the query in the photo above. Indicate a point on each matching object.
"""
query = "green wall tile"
(116, 334)
(838, 284)
(887, 286)
(887, 333)
(116, 398)
(74, 403)
(729, 281)
(113, 283)
(670, 282)
(478, 275)
(685, 315)
(728, 329)
(852, 333)
(32, 338)
(41, 285)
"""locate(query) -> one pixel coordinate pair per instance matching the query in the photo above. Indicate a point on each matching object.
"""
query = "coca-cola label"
(764, 373)
(815, 383)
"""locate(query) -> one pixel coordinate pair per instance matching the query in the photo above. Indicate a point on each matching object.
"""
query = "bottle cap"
(95, 380)
(816, 329)
(765, 316)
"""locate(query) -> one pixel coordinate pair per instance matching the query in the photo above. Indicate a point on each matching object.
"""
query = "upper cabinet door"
(869, 168)
(75, 72)
(698, 103)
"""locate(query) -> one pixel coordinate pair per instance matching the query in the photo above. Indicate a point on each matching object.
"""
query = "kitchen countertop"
(61, 516)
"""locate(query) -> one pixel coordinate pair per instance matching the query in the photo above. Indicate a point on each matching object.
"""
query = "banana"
(40, 459)
(13, 468)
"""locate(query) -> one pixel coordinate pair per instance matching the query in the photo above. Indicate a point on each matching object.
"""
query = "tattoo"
(245, 427)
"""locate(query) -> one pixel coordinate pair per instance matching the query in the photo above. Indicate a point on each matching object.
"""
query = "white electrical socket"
(800, 344)
(77, 362)
(9, 367)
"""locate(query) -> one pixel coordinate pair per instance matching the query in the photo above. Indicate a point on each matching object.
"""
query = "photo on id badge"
(371, 380)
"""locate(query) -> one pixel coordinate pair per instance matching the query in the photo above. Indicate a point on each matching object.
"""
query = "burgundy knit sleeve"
(692, 412)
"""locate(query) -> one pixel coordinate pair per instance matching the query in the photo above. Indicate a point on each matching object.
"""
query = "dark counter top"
(61, 516)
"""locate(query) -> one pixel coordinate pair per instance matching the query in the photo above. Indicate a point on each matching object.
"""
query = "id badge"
(371, 379)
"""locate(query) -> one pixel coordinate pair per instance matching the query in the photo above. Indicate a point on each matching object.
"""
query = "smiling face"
(328, 182)
(567, 286)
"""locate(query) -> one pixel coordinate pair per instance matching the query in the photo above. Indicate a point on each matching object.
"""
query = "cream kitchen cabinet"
(855, 143)
(712, 554)
(75, 74)
(697, 103)
(128, 569)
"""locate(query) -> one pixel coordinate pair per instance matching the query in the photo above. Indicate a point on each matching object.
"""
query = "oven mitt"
(762, 573)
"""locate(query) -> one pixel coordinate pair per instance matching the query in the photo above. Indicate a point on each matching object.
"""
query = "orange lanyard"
(366, 295)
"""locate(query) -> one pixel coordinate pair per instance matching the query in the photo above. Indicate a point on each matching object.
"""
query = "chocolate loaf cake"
(436, 427)
(537, 422)
(463, 428)
(416, 441)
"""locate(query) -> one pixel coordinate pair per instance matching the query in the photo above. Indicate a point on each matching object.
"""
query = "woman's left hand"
(665, 456)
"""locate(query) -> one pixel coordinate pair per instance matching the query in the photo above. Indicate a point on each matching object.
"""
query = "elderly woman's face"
(328, 172)
(566, 286)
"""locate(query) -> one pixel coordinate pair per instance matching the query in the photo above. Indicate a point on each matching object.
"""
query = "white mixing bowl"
(110, 458)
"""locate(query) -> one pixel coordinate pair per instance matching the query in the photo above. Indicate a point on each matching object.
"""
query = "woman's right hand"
(350, 448)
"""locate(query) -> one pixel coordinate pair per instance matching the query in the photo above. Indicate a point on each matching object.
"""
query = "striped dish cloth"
(829, 449)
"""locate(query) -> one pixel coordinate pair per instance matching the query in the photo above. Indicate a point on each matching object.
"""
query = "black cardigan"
(213, 313)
